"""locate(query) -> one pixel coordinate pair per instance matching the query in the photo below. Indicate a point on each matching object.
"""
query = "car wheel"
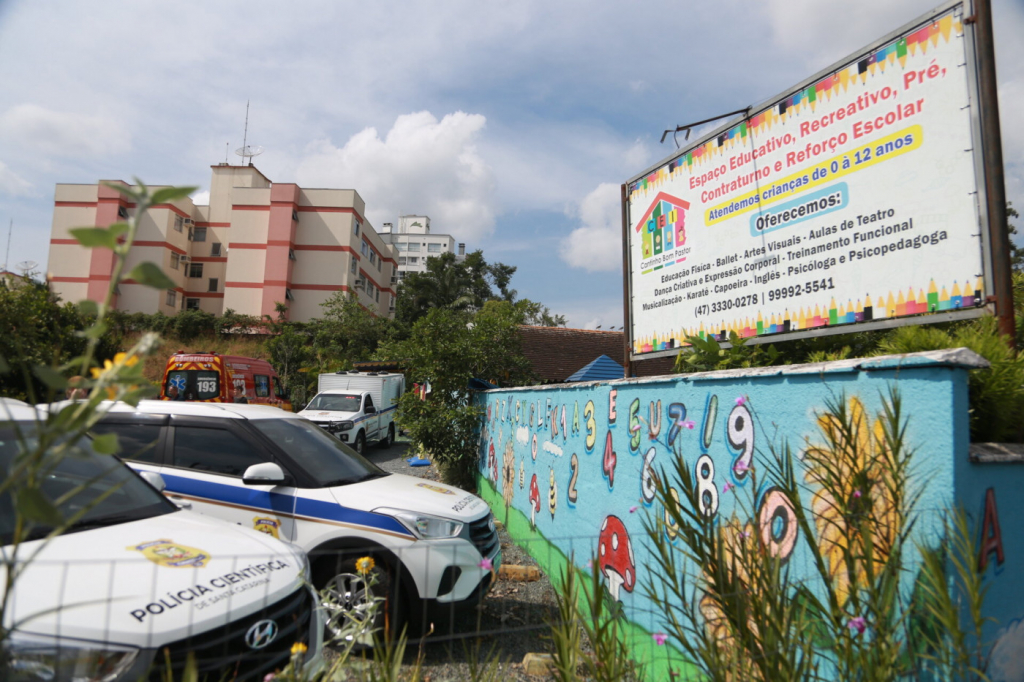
(359, 606)
(388, 440)
(360, 443)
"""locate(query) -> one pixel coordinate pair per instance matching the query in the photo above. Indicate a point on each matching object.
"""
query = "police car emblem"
(436, 488)
(267, 525)
(169, 553)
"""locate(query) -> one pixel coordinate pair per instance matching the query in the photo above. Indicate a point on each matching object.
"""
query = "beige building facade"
(255, 245)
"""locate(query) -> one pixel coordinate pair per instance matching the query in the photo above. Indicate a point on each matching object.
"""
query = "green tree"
(38, 331)
(288, 348)
(457, 285)
(447, 348)
(1016, 252)
(347, 332)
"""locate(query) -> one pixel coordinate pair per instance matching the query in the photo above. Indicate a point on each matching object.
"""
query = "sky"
(510, 123)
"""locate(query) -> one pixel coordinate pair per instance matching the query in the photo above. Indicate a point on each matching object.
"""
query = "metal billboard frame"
(988, 172)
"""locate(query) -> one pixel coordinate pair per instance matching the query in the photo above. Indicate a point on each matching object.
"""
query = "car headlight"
(424, 525)
(35, 658)
(344, 426)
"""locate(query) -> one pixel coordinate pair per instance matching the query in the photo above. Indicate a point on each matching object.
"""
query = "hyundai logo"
(261, 634)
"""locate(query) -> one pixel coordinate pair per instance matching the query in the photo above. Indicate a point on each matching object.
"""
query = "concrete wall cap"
(948, 357)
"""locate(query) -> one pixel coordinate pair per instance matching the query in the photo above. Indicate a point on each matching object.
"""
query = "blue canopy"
(603, 367)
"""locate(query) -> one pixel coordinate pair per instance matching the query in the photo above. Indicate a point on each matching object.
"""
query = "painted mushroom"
(534, 499)
(615, 556)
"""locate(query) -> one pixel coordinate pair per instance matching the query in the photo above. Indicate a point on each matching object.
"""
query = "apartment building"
(258, 243)
(414, 243)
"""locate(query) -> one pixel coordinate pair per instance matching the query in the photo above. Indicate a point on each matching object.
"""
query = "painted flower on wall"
(508, 472)
(852, 473)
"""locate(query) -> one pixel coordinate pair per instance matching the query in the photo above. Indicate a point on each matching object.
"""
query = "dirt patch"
(510, 622)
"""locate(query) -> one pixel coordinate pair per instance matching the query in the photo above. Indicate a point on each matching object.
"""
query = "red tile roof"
(557, 352)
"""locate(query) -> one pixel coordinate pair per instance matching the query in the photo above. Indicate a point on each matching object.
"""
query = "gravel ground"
(511, 620)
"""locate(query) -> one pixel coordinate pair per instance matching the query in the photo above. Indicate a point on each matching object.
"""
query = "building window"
(401, 260)
(191, 304)
(401, 246)
(195, 270)
(373, 257)
(380, 262)
(401, 275)
(291, 254)
(433, 248)
(213, 284)
(178, 221)
(364, 248)
(352, 266)
(172, 297)
(215, 249)
(199, 235)
(295, 215)
(377, 296)
(288, 294)
(122, 212)
(413, 260)
(414, 247)
(175, 260)
(356, 227)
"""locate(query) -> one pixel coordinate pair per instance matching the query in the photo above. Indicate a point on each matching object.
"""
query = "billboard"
(849, 202)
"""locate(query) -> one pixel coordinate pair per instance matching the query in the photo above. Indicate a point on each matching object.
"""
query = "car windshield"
(335, 403)
(323, 457)
(89, 489)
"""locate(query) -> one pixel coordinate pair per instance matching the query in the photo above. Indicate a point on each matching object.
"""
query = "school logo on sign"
(267, 525)
(169, 553)
(663, 227)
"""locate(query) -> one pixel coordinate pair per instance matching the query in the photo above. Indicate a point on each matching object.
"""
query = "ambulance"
(137, 582)
(214, 378)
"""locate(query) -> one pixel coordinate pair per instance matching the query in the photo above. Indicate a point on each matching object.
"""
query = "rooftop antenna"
(227, 147)
(7, 256)
(248, 151)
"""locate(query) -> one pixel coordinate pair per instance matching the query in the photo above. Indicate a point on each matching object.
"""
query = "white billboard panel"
(851, 199)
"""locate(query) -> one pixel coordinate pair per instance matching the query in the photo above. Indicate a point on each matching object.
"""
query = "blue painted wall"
(577, 459)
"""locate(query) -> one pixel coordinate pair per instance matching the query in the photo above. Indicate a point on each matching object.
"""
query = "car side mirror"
(264, 473)
(371, 410)
(154, 479)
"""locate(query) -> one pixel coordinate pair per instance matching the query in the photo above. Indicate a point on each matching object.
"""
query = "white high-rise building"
(415, 243)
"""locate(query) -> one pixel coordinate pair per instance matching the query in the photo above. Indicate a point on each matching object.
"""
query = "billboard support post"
(627, 323)
(995, 188)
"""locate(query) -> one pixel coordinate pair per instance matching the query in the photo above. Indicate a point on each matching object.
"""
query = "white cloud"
(201, 198)
(422, 166)
(597, 245)
(809, 26)
(60, 133)
(12, 184)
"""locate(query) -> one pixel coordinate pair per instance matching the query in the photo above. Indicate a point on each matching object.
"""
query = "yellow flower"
(298, 649)
(852, 471)
(120, 360)
(365, 565)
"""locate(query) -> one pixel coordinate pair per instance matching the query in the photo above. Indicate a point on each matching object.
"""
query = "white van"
(357, 407)
(136, 580)
(260, 467)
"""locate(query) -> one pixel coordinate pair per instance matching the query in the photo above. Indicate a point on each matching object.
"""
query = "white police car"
(278, 473)
(136, 582)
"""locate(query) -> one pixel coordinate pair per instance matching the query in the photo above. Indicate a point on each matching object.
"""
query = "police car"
(136, 582)
(275, 472)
